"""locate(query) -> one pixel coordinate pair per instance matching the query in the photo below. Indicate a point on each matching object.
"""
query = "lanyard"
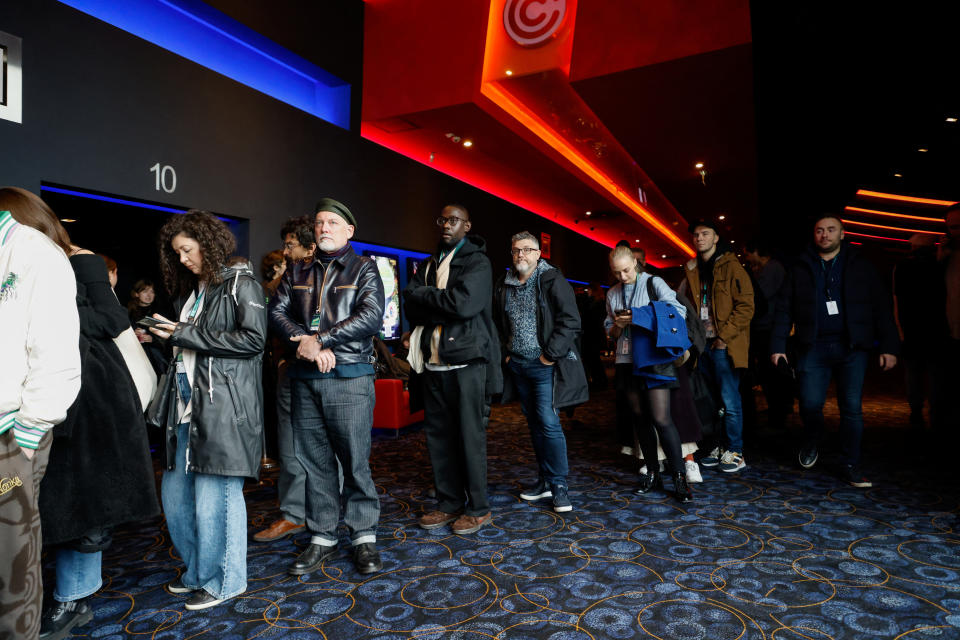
(196, 305)
(633, 296)
(827, 273)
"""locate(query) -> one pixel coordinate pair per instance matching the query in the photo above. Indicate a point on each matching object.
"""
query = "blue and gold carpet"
(769, 553)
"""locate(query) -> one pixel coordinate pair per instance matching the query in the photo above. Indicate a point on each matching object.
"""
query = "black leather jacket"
(349, 296)
(228, 336)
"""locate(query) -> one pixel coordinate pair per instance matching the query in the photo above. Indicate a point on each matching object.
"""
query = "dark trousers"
(456, 413)
(21, 588)
(332, 418)
(848, 367)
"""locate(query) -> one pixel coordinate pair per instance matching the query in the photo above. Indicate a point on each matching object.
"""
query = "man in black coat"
(454, 346)
(841, 310)
(536, 315)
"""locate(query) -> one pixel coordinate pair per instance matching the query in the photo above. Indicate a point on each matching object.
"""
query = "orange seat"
(392, 410)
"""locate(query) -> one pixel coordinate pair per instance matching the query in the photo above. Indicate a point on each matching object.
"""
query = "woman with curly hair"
(213, 417)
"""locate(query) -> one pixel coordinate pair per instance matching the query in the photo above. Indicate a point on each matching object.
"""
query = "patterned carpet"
(769, 553)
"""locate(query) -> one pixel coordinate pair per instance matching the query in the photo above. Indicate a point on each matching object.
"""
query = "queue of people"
(473, 338)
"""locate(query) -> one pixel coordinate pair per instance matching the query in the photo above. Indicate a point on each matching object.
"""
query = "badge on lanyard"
(832, 308)
(704, 313)
(315, 322)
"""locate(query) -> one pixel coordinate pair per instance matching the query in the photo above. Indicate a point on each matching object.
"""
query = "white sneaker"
(693, 471)
(732, 461)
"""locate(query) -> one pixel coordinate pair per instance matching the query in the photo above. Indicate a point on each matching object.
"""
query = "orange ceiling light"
(892, 215)
(867, 235)
(883, 226)
(892, 196)
(503, 99)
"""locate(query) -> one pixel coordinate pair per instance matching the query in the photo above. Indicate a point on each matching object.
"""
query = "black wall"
(101, 107)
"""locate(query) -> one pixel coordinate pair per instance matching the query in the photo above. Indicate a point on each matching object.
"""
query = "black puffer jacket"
(349, 294)
(866, 305)
(228, 337)
(462, 309)
(558, 326)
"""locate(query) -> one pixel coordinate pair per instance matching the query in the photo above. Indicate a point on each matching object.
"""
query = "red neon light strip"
(883, 226)
(528, 119)
(893, 196)
(867, 235)
(893, 215)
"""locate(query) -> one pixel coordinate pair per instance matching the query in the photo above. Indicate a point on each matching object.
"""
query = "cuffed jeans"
(332, 419)
(815, 367)
(78, 575)
(534, 383)
(456, 414)
(718, 367)
(207, 519)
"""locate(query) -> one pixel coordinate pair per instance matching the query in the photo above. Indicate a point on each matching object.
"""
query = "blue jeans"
(718, 368)
(207, 519)
(815, 367)
(534, 383)
(78, 575)
(332, 419)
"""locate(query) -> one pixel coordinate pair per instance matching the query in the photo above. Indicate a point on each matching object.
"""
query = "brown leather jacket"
(732, 303)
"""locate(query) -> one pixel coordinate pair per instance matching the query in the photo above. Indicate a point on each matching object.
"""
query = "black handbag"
(158, 411)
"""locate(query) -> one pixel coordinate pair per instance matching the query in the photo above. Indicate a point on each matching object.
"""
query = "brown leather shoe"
(470, 524)
(279, 529)
(435, 519)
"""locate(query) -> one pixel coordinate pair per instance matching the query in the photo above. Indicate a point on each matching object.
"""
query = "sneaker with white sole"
(561, 500)
(540, 490)
(712, 459)
(731, 461)
(693, 471)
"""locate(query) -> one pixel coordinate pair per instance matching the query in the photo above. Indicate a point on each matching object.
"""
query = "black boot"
(58, 620)
(649, 482)
(682, 488)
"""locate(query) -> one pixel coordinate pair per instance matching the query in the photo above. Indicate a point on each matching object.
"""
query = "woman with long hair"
(213, 419)
(648, 395)
(100, 474)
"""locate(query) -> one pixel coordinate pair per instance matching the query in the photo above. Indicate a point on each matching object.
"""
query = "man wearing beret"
(330, 308)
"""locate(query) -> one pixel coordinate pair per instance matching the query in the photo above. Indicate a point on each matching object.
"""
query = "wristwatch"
(319, 341)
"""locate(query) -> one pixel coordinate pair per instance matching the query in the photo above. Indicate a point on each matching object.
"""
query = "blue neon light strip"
(132, 203)
(379, 249)
(200, 33)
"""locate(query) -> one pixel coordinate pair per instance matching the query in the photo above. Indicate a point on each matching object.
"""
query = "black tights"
(655, 403)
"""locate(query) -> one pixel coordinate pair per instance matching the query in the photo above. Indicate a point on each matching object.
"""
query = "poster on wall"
(545, 245)
(387, 266)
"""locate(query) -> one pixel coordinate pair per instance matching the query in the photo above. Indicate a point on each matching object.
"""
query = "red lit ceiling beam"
(526, 38)
(883, 226)
(867, 235)
(893, 215)
(911, 199)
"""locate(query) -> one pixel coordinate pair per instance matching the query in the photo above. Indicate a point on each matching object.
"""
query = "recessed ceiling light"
(898, 175)
(699, 165)
(637, 240)
(922, 149)
(721, 217)
(468, 143)
(951, 119)
(663, 255)
(589, 213)
(509, 72)
(732, 241)
(67, 220)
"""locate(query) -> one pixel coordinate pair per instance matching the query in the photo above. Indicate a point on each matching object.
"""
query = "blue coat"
(659, 337)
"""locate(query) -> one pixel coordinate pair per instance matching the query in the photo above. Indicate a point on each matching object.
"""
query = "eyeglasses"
(524, 250)
(453, 221)
(291, 245)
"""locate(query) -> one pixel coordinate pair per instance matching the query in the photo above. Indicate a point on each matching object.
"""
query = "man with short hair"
(298, 248)
(454, 346)
(837, 302)
(332, 307)
(536, 315)
(41, 378)
(723, 296)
